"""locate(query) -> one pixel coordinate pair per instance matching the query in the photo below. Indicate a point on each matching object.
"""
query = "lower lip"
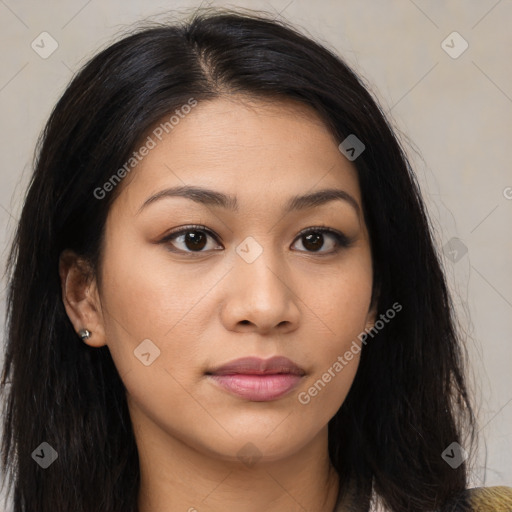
(258, 388)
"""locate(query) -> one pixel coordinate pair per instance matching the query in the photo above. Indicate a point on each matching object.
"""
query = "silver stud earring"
(84, 334)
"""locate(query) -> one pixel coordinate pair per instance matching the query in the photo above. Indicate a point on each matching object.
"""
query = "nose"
(259, 297)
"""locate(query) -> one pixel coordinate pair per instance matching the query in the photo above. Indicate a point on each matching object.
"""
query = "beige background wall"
(456, 111)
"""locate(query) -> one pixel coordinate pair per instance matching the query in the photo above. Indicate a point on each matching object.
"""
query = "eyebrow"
(210, 197)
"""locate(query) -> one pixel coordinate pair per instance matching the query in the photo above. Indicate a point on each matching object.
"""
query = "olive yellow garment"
(490, 499)
(478, 499)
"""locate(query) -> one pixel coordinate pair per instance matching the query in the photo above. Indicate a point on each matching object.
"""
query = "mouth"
(256, 379)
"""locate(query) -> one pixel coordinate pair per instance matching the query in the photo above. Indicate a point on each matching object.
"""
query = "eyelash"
(342, 241)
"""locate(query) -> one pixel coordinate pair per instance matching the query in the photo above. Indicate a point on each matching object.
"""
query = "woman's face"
(172, 310)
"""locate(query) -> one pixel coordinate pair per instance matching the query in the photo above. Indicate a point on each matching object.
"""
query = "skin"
(204, 309)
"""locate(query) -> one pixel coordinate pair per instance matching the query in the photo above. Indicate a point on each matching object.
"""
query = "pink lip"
(258, 379)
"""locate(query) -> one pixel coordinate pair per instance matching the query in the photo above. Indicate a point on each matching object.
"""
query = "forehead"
(249, 148)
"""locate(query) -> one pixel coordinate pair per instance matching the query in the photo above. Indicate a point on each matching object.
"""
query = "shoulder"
(490, 499)
(478, 499)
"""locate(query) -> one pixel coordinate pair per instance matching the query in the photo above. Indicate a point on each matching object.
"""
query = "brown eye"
(190, 239)
(194, 240)
(314, 239)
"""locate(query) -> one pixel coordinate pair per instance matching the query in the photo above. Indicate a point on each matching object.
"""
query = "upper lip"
(258, 366)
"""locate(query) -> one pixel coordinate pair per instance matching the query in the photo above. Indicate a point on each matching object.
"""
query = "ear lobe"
(371, 318)
(80, 297)
(372, 313)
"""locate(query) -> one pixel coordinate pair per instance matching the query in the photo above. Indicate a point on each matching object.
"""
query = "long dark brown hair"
(409, 399)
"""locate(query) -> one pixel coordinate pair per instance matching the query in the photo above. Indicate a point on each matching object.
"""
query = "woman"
(224, 293)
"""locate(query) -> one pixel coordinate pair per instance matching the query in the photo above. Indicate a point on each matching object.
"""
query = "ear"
(372, 312)
(81, 298)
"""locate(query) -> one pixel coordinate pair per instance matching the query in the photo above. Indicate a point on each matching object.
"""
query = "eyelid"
(189, 227)
(326, 229)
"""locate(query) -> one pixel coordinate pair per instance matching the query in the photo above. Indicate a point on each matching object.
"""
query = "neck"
(176, 477)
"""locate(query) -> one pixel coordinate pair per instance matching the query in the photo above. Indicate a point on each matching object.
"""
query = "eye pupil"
(196, 239)
(314, 241)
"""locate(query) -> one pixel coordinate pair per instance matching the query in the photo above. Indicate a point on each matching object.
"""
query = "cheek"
(160, 308)
(325, 391)
(336, 352)
(146, 295)
(338, 301)
(341, 316)
(336, 355)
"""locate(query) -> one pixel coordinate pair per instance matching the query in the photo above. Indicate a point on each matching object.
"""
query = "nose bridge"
(258, 267)
(260, 292)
